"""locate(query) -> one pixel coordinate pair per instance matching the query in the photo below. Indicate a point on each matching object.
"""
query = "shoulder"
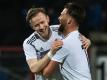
(72, 36)
(72, 39)
(54, 27)
(30, 39)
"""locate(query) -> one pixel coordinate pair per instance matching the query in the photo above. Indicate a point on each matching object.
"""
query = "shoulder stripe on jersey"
(32, 39)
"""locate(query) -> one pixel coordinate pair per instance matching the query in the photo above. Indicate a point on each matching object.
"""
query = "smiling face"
(40, 23)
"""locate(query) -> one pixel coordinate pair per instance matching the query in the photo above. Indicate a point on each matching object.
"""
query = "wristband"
(50, 55)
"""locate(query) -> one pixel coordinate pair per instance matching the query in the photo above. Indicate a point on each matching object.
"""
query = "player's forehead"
(39, 18)
(64, 11)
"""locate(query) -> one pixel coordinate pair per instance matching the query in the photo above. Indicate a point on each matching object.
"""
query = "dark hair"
(33, 12)
(76, 11)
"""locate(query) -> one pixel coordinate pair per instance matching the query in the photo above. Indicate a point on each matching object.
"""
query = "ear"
(69, 21)
(30, 23)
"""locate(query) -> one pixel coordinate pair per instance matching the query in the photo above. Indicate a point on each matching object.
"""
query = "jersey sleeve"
(60, 55)
(29, 51)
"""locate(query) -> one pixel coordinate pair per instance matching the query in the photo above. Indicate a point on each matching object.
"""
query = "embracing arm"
(50, 68)
(37, 65)
(53, 65)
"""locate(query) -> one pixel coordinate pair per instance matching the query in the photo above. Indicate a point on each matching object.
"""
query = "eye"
(36, 25)
(42, 22)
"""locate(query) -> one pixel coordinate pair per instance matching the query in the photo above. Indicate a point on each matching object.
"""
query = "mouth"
(41, 31)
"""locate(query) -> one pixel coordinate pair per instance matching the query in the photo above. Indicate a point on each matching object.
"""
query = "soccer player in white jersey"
(72, 57)
(37, 45)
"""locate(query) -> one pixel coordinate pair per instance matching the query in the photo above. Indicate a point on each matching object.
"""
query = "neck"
(69, 29)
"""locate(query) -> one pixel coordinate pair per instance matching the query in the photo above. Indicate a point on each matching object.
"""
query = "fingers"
(56, 45)
(86, 42)
(85, 46)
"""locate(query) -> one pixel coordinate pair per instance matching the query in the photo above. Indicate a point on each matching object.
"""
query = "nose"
(41, 26)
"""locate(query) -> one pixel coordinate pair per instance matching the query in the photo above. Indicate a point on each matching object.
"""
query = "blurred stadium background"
(14, 29)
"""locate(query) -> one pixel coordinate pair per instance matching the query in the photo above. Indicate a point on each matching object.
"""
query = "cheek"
(62, 19)
(46, 24)
(63, 22)
(34, 28)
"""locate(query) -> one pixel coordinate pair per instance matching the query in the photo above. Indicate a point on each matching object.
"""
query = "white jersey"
(35, 47)
(73, 58)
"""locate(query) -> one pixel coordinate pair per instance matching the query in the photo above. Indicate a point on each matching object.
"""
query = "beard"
(61, 29)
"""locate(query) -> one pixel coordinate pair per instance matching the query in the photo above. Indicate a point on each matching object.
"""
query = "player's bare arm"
(37, 65)
(50, 68)
(53, 65)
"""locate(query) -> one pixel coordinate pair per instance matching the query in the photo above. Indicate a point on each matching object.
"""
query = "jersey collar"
(40, 37)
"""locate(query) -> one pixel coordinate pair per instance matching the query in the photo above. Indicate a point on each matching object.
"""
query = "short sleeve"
(29, 51)
(60, 55)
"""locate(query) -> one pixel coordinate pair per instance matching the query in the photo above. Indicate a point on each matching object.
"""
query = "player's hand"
(56, 45)
(85, 41)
